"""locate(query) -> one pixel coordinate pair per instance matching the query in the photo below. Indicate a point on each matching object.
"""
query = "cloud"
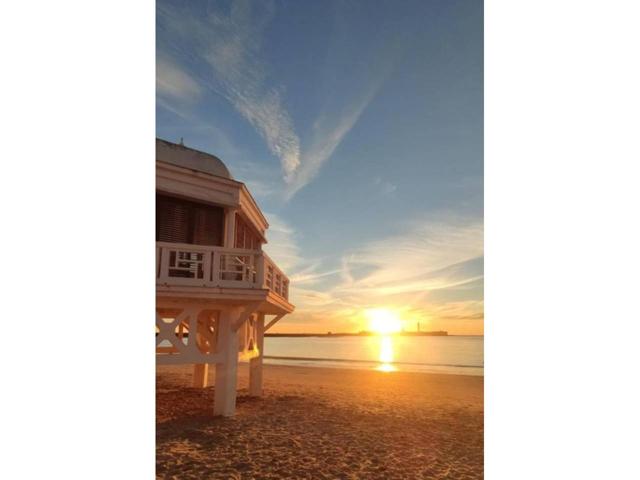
(384, 187)
(304, 272)
(173, 82)
(229, 44)
(261, 179)
(431, 270)
(429, 255)
(332, 127)
(312, 276)
(282, 247)
(357, 66)
(328, 133)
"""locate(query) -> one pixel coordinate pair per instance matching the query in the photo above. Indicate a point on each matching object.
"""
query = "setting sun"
(383, 321)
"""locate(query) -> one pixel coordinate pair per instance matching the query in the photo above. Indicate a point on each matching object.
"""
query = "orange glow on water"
(386, 355)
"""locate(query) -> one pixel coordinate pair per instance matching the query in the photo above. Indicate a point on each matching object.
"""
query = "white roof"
(186, 157)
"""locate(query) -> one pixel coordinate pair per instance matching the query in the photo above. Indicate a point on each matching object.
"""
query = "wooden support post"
(255, 364)
(227, 368)
(260, 280)
(200, 375)
(229, 227)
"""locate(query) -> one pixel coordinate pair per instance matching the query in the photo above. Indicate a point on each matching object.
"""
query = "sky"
(358, 128)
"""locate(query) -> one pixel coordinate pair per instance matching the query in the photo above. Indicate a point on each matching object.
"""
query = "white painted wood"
(183, 182)
(226, 370)
(177, 180)
(235, 282)
(274, 278)
(252, 212)
(200, 375)
(239, 266)
(215, 270)
(166, 331)
(260, 280)
(255, 364)
(208, 260)
(229, 227)
(179, 352)
(247, 311)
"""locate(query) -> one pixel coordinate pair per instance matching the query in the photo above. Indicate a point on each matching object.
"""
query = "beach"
(322, 423)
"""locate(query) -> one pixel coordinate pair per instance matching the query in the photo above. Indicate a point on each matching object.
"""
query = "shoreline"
(438, 333)
(369, 365)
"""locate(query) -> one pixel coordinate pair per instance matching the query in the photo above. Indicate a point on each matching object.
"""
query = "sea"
(452, 354)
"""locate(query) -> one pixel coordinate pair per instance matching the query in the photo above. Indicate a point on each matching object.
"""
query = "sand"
(317, 423)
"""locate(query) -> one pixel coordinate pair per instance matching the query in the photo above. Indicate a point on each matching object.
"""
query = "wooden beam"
(255, 364)
(200, 375)
(246, 313)
(226, 370)
(273, 322)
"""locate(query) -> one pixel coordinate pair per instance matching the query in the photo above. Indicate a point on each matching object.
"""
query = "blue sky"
(358, 128)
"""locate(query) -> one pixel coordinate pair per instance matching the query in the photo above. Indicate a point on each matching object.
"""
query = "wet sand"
(321, 423)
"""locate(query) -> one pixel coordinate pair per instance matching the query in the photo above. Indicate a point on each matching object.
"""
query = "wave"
(368, 362)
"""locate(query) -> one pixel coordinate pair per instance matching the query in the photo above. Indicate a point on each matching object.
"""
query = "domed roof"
(185, 157)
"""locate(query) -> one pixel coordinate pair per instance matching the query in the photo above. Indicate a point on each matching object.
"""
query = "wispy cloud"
(348, 90)
(260, 178)
(384, 187)
(305, 273)
(311, 275)
(328, 133)
(174, 83)
(432, 268)
(283, 245)
(230, 45)
(427, 256)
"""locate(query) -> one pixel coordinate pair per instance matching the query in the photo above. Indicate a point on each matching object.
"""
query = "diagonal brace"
(246, 313)
(273, 322)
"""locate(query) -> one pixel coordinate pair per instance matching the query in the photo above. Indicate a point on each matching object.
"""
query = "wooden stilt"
(255, 364)
(200, 375)
(226, 370)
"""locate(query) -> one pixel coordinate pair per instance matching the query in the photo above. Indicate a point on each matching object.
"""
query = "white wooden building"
(217, 292)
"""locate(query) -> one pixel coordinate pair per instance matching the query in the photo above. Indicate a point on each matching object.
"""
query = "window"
(246, 237)
(184, 221)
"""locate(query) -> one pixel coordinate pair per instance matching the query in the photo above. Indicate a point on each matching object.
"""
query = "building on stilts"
(217, 291)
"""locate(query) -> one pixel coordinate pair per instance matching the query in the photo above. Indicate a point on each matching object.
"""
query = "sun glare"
(383, 321)
(386, 354)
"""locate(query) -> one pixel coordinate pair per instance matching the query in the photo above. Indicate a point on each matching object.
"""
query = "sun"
(383, 321)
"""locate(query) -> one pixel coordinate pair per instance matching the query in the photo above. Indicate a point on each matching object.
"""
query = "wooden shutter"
(246, 236)
(207, 225)
(172, 220)
(183, 221)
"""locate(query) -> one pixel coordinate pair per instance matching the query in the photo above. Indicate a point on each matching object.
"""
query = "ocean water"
(461, 355)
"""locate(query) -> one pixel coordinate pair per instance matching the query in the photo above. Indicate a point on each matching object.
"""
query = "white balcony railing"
(184, 264)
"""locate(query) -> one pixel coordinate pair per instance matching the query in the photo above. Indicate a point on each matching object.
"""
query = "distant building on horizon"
(214, 284)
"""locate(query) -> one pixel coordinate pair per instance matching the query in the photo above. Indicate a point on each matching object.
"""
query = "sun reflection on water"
(386, 354)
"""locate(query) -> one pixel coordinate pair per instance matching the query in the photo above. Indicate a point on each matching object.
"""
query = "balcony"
(205, 266)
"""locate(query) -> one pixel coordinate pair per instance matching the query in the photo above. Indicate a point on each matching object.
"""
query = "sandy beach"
(317, 423)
